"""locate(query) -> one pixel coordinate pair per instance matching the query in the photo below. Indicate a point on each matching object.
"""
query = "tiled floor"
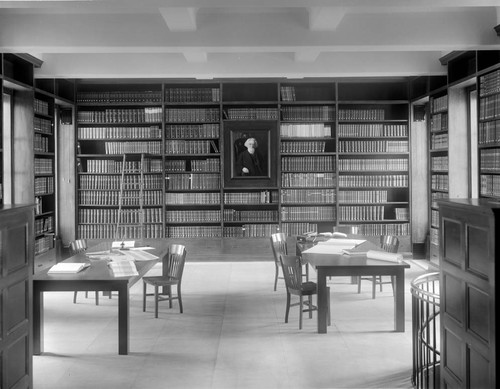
(231, 335)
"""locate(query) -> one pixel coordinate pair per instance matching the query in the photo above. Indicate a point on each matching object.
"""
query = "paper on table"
(123, 268)
(68, 268)
(324, 249)
(139, 255)
(123, 244)
(384, 256)
(346, 243)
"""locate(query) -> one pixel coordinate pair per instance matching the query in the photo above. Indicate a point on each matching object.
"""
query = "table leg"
(37, 321)
(322, 302)
(123, 320)
(399, 301)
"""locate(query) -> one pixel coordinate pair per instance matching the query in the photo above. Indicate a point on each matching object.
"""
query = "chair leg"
(359, 284)
(328, 302)
(156, 301)
(276, 276)
(380, 282)
(74, 297)
(143, 296)
(287, 306)
(96, 297)
(179, 297)
(310, 307)
(169, 297)
(374, 286)
(301, 306)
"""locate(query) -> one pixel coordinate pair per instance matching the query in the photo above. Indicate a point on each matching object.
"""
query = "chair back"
(389, 243)
(278, 244)
(173, 261)
(77, 246)
(292, 272)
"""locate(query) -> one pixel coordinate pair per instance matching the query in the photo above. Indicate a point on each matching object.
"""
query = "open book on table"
(68, 267)
(123, 268)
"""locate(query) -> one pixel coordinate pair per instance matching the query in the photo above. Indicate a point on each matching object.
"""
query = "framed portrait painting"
(250, 154)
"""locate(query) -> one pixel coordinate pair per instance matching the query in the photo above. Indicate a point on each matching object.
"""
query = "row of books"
(39, 205)
(434, 236)
(439, 104)
(314, 213)
(192, 95)
(301, 196)
(153, 96)
(41, 144)
(436, 196)
(193, 232)
(489, 107)
(308, 112)
(287, 93)
(439, 122)
(195, 165)
(373, 164)
(126, 115)
(307, 180)
(193, 216)
(298, 228)
(44, 224)
(199, 181)
(374, 181)
(130, 198)
(172, 198)
(44, 166)
(361, 212)
(42, 125)
(115, 166)
(44, 185)
(489, 160)
(308, 163)
(128, 216)
(190, 131)
(372, 130)
(398, 229)
(190, 147)
(258, 215)
(313, 146)
(489, 132)
(361, 114)
(490, 185)
(374, 146)
(489, 83)
(434, 217)
(439, 141)
(41, 107)
(305, 130)
(132, 147)
(439, 163)
(44, 243)
(262, 197)
(363, 196)
(402, 213)
(177, 115)
(258, 113)
(118, 132)
(108, 231)
(154, 181)
(251, 231)
(439, 182)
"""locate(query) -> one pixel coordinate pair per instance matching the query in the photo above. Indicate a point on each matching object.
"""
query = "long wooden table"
(355, 265)
(97, 277)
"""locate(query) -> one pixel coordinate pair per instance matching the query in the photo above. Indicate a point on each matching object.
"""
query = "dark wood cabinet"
(16, 269)
(469, 230)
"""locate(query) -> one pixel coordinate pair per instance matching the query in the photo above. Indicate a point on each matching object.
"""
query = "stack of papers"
(68, 268)
(384, 256)
(334, 246)
(123, 268)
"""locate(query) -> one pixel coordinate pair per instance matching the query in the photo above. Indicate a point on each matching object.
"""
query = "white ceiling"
(245, 38)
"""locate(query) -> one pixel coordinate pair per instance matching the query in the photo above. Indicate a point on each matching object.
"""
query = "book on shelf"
(68, 267)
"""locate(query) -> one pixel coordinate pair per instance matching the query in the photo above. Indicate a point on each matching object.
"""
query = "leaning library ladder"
(130, 221)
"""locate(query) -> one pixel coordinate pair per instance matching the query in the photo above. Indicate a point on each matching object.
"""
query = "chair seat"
(160, 280)
(309, 287)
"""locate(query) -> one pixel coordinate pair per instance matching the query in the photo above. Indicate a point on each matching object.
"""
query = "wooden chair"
(292, 273)
(278, 244)
(390, 244)
(172, 270)
(75, 247)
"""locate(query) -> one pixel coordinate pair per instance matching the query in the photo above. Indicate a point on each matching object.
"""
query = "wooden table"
(354, 265)
(97, 277)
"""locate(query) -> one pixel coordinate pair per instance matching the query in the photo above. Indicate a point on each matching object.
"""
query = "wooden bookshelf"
(113, 120)
(438, 165)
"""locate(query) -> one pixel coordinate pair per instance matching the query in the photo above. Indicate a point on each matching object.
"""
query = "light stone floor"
(231, 335)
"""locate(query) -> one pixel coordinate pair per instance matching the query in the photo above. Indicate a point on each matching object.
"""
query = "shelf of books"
(192, 163)
(373, 158)
(1, 142)
(307, 157)
(489, 135)
(438, 164)
(114, 120)
(44, 171)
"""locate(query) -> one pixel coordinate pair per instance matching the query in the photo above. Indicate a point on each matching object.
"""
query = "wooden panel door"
(16, 269)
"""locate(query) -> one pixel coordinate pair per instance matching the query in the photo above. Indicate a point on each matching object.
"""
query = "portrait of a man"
(249, 161)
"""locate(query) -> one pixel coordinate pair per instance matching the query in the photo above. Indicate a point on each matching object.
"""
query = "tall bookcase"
(438, 164)
(44, 171)
(373, 157)
(113, 120)
(308, 157)
(192, 160)
(489, 135)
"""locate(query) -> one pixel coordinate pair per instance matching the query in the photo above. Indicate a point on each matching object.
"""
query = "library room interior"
(249, 194)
